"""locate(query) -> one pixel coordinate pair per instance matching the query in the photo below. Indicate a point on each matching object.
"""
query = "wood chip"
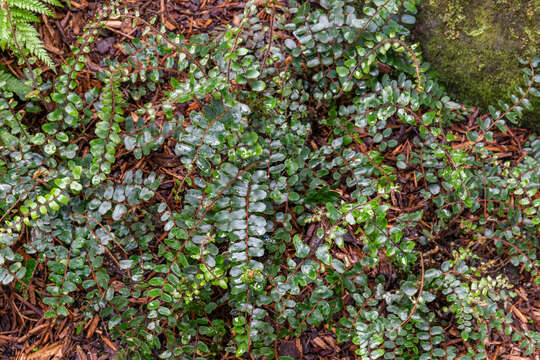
(113, 23)
(52, 351)
(108, 342)
(521, 317)
(92, 327)
(81, 6)
(80, 353)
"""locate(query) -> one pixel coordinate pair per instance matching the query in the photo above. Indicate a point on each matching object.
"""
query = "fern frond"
(53, 2)
(28, 35)
(5, 33)
(36, 6)
(21, 15)
(15, 19)
(8, 82)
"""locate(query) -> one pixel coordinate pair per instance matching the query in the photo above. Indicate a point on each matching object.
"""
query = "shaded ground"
(25, 334)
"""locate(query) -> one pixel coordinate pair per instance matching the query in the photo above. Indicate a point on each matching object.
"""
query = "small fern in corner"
(16, 30)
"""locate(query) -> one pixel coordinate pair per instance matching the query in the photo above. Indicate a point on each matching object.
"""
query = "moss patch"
(473, 47)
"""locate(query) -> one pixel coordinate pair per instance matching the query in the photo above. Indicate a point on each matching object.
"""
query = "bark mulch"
(26, 334)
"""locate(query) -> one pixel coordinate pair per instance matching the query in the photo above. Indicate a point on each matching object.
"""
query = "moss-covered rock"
(473, 47)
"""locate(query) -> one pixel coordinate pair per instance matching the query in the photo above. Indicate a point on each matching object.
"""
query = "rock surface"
(473, 47)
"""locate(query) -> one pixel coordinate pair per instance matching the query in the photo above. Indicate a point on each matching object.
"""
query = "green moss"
(473, 47)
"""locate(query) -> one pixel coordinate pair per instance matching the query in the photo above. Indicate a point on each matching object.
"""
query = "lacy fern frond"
(36, 6)
(53, 2)
(21, 15)
(17, 34)
(28, 37)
